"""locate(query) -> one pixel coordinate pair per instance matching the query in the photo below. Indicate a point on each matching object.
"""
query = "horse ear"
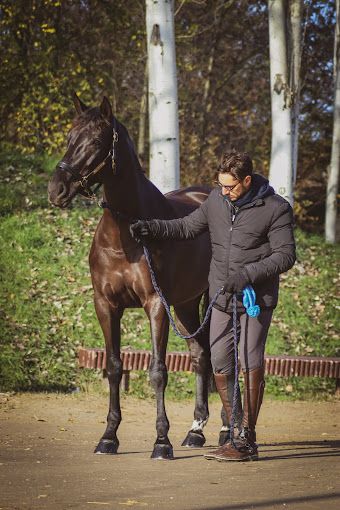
(105, 109)
(80, 106)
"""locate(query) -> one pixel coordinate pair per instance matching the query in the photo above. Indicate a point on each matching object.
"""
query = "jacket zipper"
(236, 211)
(233, 216)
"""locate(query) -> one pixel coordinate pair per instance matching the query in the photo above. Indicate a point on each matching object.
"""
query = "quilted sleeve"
(189, 227)
(282, 243)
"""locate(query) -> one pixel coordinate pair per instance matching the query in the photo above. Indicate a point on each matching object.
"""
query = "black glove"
(236, 283)
(138, 229)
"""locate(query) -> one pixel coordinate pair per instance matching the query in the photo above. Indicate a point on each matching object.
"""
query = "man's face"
(239, 188)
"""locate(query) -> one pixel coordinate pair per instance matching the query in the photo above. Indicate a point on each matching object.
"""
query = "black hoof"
(107, 447)
(163, 452)
(224, 437)
(194, 440)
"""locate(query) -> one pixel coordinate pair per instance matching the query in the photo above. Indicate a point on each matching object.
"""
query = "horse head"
(90, 152)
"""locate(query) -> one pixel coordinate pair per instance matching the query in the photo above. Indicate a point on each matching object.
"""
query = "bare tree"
(295, 68)
(163, 105)
(285, 58)
(143, 116)
(333, 178)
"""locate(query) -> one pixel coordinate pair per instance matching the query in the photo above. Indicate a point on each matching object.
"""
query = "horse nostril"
(62, 190)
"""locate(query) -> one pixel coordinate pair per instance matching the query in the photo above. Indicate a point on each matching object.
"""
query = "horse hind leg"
(225, 429)
(187, 319)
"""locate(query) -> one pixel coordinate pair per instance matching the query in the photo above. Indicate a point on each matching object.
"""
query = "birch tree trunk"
(333, 178)
(281, 165)
(162, 96)
(295, 66)
(143, 116)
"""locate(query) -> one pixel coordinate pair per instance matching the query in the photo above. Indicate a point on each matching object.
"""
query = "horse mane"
(94, 118)
(132, 149)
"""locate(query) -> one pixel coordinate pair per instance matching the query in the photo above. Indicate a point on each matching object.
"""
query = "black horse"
(100, 150)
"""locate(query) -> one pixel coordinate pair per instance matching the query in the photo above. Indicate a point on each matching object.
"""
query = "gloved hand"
(236, 283)
(138, 229)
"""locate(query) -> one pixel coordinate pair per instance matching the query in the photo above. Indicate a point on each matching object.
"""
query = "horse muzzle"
(59, 192)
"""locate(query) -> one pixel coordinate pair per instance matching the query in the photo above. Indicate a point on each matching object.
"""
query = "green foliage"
(23, 181)
(50, 48)
(46, 297)
(307, 318)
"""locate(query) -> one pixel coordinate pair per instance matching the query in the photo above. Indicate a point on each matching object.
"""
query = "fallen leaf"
(39, 419)
(97, 503)
(131, 502)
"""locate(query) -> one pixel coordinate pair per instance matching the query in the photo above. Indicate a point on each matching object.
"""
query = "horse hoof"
(107, 447)
(162, 452)
(194, 440)
(223, 438)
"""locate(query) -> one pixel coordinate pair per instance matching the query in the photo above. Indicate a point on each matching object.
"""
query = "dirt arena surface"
(47, 459)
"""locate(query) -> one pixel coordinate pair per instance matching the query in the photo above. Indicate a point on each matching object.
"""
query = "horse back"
(186, 200)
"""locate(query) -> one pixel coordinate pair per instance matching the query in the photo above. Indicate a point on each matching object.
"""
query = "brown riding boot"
(245, 447)
(226, 387)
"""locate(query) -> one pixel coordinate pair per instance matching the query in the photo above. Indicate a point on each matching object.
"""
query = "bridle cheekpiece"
(84, 179)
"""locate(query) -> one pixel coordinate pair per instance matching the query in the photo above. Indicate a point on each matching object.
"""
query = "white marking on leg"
(225, 428)
(198, 425)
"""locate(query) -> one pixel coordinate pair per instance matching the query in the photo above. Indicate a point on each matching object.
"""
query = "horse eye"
(96, 142)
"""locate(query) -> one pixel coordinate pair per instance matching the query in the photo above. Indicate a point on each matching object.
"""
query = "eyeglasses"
(228, 188)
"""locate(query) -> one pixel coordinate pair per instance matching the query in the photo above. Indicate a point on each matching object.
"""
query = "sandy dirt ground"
(47, 459)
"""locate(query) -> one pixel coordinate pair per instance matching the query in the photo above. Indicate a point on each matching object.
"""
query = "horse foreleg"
(187, 319)
(159, 325)
(109, 319)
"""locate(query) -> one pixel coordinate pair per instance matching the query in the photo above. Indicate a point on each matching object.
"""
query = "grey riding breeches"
(252, 334)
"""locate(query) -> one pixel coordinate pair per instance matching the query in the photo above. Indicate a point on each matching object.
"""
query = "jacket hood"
(260, 188)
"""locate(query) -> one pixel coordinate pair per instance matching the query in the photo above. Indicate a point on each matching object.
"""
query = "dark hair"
(236, 163)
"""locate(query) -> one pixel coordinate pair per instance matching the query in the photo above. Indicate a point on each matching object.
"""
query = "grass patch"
(46, 296)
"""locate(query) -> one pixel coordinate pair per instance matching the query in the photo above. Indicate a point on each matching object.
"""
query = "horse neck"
(131, 194)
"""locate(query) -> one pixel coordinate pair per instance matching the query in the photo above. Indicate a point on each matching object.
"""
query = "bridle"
(84, 179)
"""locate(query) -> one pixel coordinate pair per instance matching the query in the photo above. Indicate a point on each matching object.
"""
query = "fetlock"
(246, 436)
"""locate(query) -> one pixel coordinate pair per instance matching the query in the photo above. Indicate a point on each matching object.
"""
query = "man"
(252, 243)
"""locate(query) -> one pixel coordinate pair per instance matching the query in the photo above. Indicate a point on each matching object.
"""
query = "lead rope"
(166, 306)
(252, 310)
(249, 298)
(233, 411)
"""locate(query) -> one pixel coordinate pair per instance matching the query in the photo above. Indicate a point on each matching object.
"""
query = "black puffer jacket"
(256, 237)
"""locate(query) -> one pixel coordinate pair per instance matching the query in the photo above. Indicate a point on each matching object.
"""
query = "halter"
(83, 180)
